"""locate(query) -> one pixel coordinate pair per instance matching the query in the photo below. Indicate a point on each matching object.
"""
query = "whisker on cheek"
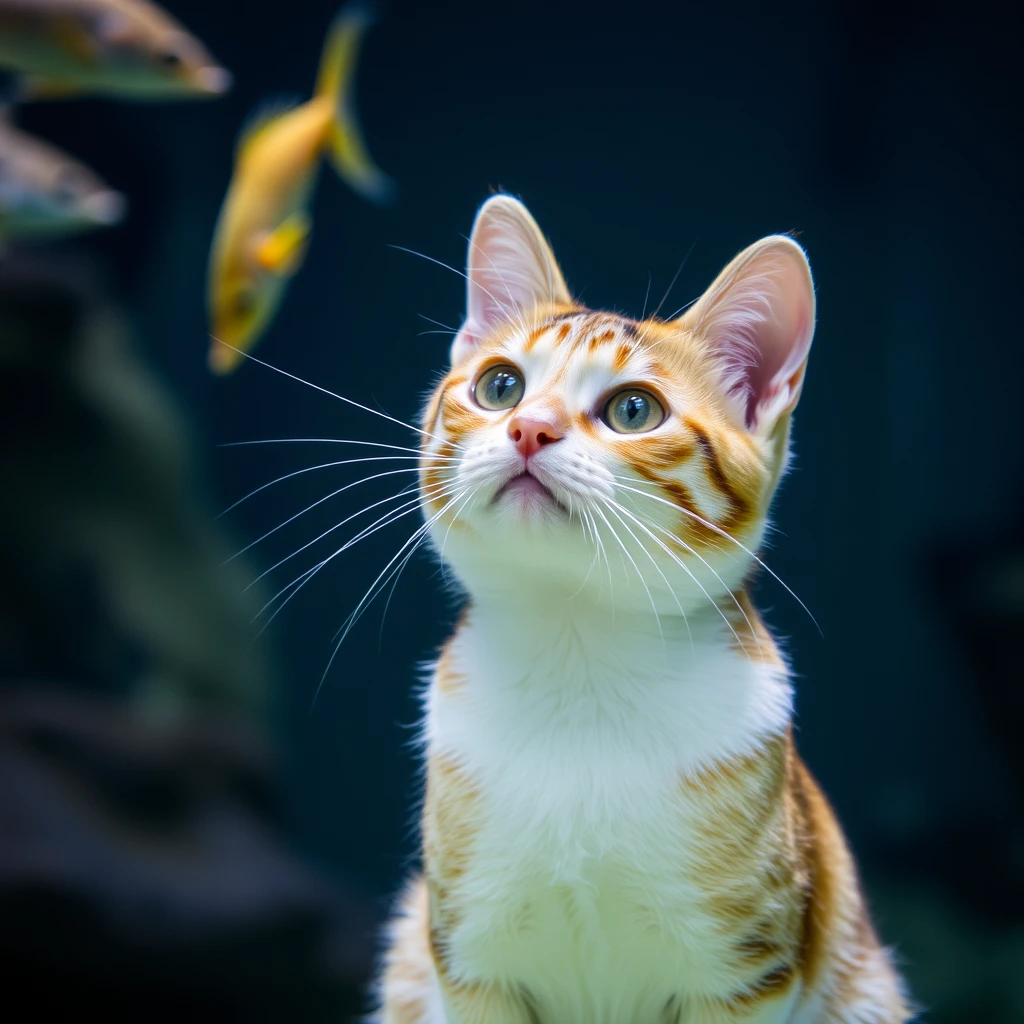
(643, 582)
(682, 565)
(624, 483)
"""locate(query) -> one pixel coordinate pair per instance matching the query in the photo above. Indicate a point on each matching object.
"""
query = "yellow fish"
(129, 49)
(45, 193)
(264, 225)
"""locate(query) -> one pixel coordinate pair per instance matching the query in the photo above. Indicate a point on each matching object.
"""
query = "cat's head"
(594, 455)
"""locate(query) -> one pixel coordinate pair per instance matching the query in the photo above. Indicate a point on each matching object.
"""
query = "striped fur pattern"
(617, 828)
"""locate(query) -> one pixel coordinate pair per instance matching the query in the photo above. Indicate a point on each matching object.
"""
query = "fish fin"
(346, 149)
(282, 250)
(261, 119)
(36, 87)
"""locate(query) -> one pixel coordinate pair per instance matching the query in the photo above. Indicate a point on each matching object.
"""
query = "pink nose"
(531, 435)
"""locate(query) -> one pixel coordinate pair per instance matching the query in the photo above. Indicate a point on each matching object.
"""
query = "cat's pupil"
(634, 411)
(502, 383)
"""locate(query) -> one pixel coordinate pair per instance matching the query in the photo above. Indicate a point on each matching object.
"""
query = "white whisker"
(604, 554)
(392, 516)
(320, 501)
(465, 277)
(685, 568)
(338, 440)
(312, 469)
(437, 323)
(337, 526)
(614, 507)
(643, 582)
(723, 533)
(341, 398)
(415, 539)
(675, 278)
(682, 565)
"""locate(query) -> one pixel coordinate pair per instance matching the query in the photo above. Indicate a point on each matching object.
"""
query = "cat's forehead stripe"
(586, 332)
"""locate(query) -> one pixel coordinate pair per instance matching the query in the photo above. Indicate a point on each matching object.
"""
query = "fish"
(263, 229)
(45, 193)
(124, 49)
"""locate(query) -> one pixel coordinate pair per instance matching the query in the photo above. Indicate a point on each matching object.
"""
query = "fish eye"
(170, 59)
(499, 387)
(633, 411)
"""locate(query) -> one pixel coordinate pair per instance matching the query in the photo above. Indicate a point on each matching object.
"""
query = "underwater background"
(187, 828)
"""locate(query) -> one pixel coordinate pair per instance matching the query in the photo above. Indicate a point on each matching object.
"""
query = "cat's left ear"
(510, 271)
(758, 317)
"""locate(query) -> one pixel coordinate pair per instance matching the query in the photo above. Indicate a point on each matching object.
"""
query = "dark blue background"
(884, 134)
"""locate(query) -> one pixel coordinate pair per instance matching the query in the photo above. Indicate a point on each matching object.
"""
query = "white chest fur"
(577, 732)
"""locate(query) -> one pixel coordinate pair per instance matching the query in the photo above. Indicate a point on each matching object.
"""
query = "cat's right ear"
(510, 271)
(758, 317)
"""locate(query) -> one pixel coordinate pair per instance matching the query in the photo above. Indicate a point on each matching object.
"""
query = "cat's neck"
(546, 664)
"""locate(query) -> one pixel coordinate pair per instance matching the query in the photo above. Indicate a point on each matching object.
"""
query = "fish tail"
(346, 149)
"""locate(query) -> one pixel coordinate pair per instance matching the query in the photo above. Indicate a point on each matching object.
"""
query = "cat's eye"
(633, 411)
(499, 387)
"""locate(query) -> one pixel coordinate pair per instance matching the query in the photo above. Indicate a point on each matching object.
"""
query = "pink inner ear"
(778, 353)
(510, 271)
(759, 315)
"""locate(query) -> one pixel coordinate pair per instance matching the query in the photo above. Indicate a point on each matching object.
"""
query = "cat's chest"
(578, 869)
(578, 889)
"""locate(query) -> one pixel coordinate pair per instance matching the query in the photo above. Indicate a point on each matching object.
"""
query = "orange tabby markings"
(621, 359)
(617, 827)
(715, 470)
(408, 971)
(597, 340)
(754, 641)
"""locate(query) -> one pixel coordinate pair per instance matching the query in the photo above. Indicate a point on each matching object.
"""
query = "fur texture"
(617, 826)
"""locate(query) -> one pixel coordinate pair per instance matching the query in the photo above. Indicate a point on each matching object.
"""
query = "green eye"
(499, 387)
(633, 412)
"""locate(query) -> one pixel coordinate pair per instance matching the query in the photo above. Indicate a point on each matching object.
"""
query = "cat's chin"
(526, 495)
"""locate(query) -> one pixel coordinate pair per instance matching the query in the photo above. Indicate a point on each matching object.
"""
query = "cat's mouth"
(528, 491)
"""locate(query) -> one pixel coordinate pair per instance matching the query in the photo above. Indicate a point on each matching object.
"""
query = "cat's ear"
(758, 316)
(510, 271)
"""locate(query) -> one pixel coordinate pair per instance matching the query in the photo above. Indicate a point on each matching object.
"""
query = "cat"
(617, 827)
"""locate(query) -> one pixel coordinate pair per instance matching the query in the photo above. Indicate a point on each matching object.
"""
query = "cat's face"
(595, 455)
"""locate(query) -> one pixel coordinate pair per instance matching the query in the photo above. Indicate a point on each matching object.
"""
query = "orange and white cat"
(617, 826)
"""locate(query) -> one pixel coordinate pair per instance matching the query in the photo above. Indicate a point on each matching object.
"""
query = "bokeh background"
(642, 137)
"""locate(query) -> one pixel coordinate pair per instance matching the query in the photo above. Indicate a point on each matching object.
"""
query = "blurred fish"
(129, 49)
(264, 226)
(46, 193)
